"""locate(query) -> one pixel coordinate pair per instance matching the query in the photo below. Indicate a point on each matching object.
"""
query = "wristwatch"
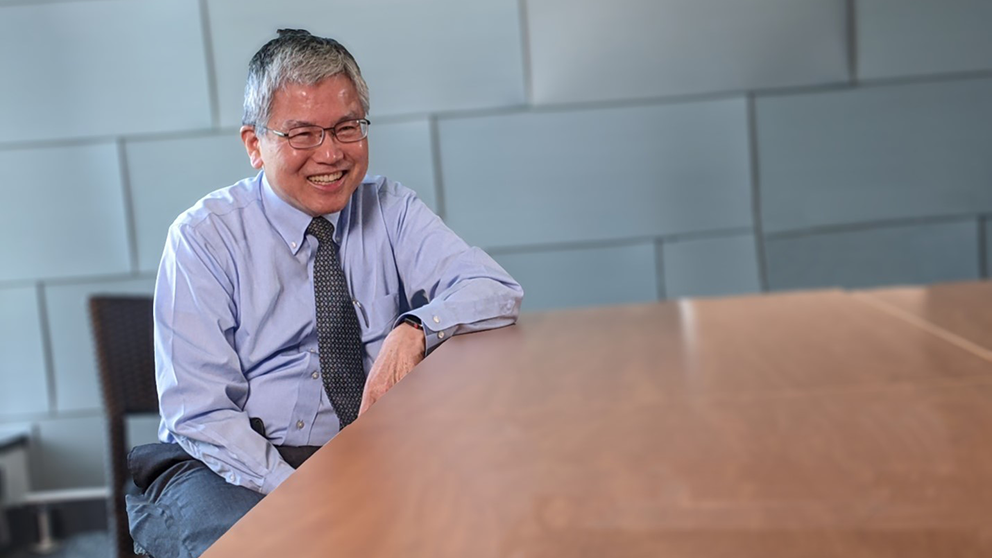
(414, 321)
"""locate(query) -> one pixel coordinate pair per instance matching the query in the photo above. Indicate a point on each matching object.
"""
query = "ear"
(251, 140)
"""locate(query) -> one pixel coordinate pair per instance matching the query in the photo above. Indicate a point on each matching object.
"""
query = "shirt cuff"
(276, 477)
(433, 326)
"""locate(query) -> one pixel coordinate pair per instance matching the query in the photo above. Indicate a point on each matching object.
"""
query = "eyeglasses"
(307, 137)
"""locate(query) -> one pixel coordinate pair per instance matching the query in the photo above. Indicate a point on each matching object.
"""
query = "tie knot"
(321, 229)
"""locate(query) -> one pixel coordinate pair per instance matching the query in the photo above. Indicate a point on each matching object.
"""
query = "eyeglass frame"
(363, 124)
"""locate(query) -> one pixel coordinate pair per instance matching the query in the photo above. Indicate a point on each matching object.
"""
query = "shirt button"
(440, 335)
(293, 244)
(299, 424)
(315, 375)
(437, 320)
(313, 350)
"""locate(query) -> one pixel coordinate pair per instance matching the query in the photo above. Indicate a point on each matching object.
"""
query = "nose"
(329, 151)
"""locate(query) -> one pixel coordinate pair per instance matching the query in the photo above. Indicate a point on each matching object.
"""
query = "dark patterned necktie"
(338, 333)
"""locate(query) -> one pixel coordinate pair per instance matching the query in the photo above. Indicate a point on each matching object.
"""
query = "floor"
(95, 544)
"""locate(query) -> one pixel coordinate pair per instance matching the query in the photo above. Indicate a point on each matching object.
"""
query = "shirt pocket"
(376, 316)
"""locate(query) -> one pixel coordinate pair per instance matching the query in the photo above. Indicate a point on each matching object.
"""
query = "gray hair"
(296, 56)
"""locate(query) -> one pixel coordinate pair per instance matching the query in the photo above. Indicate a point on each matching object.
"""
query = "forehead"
(328, 101)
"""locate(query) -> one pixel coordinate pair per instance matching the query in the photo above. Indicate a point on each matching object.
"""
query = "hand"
(401, 351)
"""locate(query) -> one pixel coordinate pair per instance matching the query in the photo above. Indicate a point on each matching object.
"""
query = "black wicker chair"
(122, 330)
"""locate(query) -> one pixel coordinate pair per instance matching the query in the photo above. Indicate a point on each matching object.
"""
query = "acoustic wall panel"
(914, 254)
(588, 50)
(141, 429)
(417, 57)
(100, 68)
(23, 385)
(168, 176)
(77, 382)
(62, 214)
(69, 453)
(710, 267)
(544, 177)
(914, 37)
(584, 276)
(402, 151)
(875, 153)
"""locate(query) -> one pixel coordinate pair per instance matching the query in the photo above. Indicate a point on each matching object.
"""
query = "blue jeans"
(185, 510)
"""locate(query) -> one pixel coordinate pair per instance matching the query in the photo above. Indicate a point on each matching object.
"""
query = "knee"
(193, 509)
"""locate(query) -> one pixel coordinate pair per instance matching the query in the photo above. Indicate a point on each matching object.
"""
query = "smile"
(325, 179)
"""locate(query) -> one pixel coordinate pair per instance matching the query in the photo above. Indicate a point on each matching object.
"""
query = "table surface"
(800, 424)
(961, 309)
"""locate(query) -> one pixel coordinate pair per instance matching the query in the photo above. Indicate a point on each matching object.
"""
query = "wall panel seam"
(527, 67)
(517, 109)
(46, 343)
(983, 247)
(759, 238)
(852, 41)
(659, 267)
(130, 228)
(439, 185)
(618, 242)
(40, 417)
(208, 56)
(79, 279)
(870, 225)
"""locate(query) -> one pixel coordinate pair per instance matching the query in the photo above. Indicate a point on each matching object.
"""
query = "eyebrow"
(297, 123)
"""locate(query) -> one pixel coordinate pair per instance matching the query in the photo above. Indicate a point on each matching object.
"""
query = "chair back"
(122, 331)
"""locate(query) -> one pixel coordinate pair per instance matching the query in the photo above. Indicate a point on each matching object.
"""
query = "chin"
(328, 207)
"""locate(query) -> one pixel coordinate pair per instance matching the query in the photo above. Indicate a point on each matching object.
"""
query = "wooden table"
(963, 310)
(805, 424)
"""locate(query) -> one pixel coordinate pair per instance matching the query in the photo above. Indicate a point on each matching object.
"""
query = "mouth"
(327, 181)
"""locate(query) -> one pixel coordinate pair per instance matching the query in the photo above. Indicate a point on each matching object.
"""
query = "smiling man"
(288, 303)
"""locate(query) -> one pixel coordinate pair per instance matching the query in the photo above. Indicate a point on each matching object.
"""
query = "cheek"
(292, 162)
(360, 155)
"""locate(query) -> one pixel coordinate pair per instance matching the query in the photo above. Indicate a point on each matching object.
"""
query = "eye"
(304, 135)
(347, 129)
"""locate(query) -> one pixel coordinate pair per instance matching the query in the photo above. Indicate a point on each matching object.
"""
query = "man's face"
(319, 180)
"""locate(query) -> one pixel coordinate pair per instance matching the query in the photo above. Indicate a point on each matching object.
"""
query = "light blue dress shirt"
(235, 333)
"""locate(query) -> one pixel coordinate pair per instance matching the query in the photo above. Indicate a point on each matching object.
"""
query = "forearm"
(234, 465)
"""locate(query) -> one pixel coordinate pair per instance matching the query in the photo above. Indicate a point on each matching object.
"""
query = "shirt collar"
(289, 222)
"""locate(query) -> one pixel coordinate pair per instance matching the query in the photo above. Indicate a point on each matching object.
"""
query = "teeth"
(325, 178)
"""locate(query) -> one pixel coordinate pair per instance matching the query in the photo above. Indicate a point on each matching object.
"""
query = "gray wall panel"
(917, 254)
(77, 385)
(710, 267)
(402, 151)
(53, 230)
(912, 37)
(141, 429)
(877, 153)
(23, 388)
(586, 50)
(584, 277)
(597, 174)
(572, 151)
(416, 56)
(102, 67)
(168, 176)
(69, 453)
